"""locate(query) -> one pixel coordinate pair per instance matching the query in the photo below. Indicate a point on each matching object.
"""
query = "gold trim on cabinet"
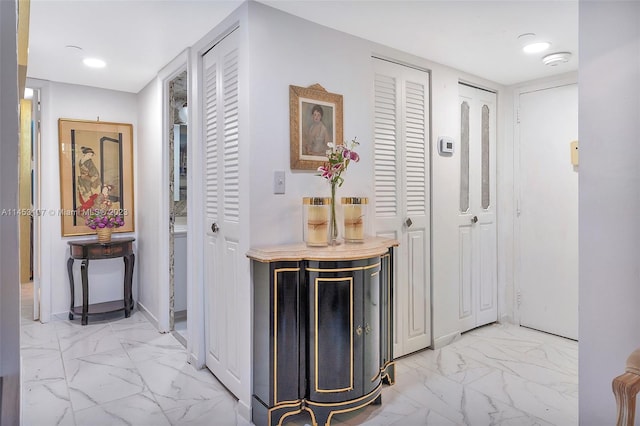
(358, 268)
(386, 374)
(275, 329)
(389, 317)
(374, 395)
(283, 405)
(317, 282)
(338, 404)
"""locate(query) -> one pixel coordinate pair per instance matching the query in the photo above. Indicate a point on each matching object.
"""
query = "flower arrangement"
(101, 218)
(339, 157)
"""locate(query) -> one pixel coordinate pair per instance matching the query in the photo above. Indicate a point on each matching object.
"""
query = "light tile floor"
(118, 371)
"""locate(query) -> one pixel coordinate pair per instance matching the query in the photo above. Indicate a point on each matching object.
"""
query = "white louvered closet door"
(221, 202)
(402, 201)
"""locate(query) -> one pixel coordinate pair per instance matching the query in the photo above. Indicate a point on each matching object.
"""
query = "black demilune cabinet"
(322, 330)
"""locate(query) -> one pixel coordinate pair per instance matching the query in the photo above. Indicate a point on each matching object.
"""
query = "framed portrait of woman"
(315, 120)
(96, 172)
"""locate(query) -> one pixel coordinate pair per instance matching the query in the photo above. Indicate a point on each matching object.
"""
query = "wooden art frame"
(96, 172)
(308, 135)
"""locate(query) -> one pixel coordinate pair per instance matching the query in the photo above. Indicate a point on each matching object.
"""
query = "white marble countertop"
(372, 246)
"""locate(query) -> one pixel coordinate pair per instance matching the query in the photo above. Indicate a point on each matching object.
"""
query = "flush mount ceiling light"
(556, 58)
(531, 44)
(537, 47)
(94, 62)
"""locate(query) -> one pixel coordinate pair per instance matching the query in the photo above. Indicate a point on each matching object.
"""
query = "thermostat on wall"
(445, 145)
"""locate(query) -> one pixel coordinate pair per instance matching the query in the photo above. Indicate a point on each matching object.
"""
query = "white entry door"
(222, 254)
(402, 204)
(477, 248)
(547, 216)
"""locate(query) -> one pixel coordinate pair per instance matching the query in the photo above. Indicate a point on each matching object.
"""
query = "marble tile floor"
(118, 371)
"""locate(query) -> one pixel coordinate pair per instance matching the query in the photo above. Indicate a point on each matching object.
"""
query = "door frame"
(42, 265)
(568, 79)
(178, 65)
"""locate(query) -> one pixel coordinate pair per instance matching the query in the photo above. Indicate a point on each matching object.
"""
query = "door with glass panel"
(477, 247)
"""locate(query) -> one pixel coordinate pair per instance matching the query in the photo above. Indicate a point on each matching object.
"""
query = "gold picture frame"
(315, 119)
(96, 172)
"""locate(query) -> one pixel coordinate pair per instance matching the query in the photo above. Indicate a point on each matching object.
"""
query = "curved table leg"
(85, 291)
(128, 283)
(70, 271)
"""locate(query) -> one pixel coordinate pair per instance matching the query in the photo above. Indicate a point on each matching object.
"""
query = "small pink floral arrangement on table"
(98, 219)
(339, 157)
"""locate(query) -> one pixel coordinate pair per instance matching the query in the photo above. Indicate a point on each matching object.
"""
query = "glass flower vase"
(333, 221)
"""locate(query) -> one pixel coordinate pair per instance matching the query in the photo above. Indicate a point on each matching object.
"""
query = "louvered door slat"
(211, 142)
(415, 152)
(231, 157)
(385, 156)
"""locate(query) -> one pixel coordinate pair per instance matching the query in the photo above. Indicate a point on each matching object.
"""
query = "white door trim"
(168, 73)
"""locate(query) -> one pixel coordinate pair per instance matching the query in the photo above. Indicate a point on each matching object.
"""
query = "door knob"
(408, 222)
(474, 219)
(359, 330)
(214, 227)
(367, 329)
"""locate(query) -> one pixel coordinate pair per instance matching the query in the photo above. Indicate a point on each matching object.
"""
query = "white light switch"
(278, 182)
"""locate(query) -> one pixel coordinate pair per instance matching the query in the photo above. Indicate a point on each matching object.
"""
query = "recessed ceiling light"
(94, 62)
(536, 47)
(556, 58)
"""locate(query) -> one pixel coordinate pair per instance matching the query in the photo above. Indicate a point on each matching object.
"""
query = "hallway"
(118, 371)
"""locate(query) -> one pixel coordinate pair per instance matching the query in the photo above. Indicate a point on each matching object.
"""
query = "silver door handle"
(474, 219)
(214, 227)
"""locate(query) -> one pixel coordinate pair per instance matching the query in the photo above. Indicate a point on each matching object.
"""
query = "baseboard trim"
(244, 410)
(152, 319)
(10, 400)
(445, 340)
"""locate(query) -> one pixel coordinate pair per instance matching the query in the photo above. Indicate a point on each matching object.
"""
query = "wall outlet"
(278, 182)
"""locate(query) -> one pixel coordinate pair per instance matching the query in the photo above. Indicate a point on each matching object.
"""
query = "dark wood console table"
(86, 250)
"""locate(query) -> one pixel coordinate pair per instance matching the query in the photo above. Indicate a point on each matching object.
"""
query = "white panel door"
(547, 217)
(477, 244)
(401, 130)
(221, 201)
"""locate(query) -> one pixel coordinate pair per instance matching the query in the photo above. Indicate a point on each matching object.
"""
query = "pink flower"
(353, 156)
(338, 157)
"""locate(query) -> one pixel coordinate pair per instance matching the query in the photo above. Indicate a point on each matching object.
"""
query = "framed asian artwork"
(96, 172)
(315, 120)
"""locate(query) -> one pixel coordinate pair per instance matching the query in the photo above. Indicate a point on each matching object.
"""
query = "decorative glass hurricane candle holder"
(316, 221)
(354, 210)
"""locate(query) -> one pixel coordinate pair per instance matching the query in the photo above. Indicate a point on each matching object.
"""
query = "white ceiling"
(137, 38)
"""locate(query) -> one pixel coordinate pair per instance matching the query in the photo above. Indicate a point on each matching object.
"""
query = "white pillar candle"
(317, 225)
(353, 223)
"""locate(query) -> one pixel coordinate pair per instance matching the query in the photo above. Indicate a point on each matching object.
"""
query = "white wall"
(149, 190)
(286, 50)
(609, 200)
(9, 280)
(83, 103)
